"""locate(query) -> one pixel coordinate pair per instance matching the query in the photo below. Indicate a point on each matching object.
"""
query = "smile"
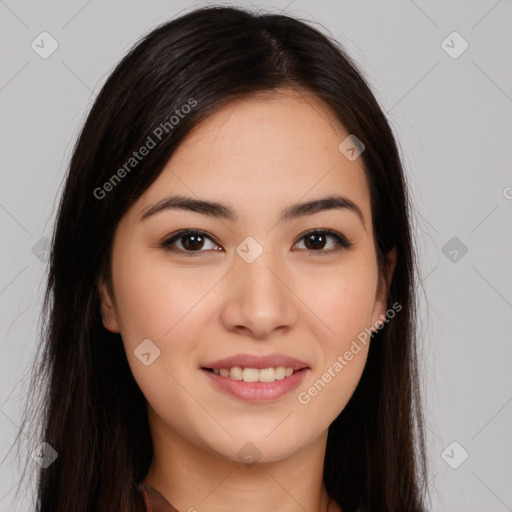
(253, 384)
(254, 374)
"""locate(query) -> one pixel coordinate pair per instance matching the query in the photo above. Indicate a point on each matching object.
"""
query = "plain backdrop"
(450, 107)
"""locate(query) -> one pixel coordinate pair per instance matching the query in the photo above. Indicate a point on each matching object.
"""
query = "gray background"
(452, 118)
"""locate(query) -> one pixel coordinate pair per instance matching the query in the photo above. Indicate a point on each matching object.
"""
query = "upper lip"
(257, 361)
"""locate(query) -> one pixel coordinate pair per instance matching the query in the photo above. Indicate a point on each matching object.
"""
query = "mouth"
(256, 378)
(248, 374)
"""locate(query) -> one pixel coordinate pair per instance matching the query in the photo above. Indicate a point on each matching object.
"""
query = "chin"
(256, 447)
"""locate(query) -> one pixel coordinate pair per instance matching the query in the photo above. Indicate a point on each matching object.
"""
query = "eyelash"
(341, 241)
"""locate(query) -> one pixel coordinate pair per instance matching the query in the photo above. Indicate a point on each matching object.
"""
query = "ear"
(379, 310)
(108, 312)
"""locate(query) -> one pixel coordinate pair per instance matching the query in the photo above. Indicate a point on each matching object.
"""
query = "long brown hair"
(84, 400)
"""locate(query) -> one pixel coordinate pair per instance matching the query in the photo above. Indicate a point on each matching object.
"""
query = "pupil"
(315, 237)
(194, 245)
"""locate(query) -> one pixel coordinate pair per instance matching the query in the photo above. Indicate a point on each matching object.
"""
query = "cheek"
(167, 306)
(155, 305)
(343, 301)
(326, 395)
(343, 351)
(152, 302)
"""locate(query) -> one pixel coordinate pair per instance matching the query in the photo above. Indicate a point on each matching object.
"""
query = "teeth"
(250, 374)
(236, 373)
(255, 374)
(281, 372)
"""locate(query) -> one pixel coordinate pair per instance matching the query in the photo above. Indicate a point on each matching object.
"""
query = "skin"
(257, 156)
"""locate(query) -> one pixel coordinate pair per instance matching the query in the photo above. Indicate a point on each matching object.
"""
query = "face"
(250, 283)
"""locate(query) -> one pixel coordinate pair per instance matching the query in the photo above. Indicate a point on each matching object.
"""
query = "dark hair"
(93, 413)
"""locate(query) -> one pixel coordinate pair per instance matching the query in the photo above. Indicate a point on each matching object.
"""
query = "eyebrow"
(218, 210)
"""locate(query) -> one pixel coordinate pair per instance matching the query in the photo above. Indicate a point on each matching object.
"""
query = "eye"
(315, 241)
(192, 241)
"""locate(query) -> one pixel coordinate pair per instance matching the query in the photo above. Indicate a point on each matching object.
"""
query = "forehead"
(272, 126)
(264, 150)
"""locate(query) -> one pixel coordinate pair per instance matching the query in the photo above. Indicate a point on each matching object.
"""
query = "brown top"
(152, 501)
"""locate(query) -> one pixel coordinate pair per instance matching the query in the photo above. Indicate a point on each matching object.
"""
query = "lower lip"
(257, 391)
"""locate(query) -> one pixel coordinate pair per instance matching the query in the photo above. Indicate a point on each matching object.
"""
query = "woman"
(231, 298)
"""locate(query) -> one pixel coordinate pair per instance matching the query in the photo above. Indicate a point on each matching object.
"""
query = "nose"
(258, 300)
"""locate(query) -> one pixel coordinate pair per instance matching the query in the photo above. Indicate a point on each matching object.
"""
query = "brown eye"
(316, 241)
(191, 241)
